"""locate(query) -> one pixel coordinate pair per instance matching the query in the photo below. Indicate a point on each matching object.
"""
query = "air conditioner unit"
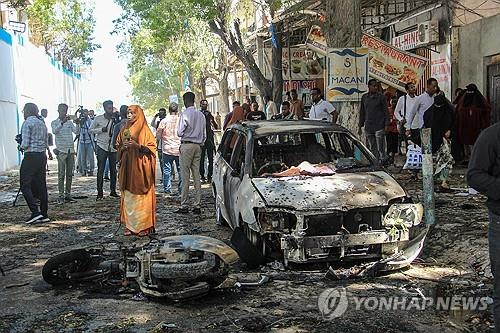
(374, 32)
(428, 32)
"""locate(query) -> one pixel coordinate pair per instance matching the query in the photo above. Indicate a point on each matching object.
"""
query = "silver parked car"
(308, 191)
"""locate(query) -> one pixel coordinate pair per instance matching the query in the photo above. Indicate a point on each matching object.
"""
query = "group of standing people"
(388, 123)
(291, 108)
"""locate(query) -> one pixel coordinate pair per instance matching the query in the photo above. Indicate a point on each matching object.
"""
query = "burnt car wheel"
(248, 252)
(58, 269)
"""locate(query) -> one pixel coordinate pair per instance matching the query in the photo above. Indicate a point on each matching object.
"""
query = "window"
(348, 153)
(225, 146)
(238, 156)
(278, 152)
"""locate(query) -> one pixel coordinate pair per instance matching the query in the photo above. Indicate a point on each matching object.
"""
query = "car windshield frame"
(372, 164)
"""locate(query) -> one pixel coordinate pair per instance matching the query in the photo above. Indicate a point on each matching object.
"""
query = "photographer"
(32, 172)
(162, 113)
(85, 144)
(102, 127)
(63, 129)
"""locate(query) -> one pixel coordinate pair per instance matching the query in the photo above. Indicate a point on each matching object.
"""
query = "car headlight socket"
(408, 214)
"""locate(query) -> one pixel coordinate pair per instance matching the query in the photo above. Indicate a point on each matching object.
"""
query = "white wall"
(8, 106)
(478, 41)
(29, 75)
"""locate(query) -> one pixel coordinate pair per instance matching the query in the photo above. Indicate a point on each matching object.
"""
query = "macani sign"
(347, 74)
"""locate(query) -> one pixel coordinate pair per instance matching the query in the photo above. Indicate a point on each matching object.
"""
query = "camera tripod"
(85, 129)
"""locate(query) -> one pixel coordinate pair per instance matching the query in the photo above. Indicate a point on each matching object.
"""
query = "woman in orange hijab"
(137, 155)
(238, 115)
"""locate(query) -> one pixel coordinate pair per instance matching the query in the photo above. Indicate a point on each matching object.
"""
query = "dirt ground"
(454, 262)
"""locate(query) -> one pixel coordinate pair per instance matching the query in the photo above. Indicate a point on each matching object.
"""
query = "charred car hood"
(342, 191)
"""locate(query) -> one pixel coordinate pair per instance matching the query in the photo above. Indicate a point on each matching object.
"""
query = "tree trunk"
(203, 87)
(277, 67)
(342, 28)
(223, 84)
(234, 41)
(255, 74)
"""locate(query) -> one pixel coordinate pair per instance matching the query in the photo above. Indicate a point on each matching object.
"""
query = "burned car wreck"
(309, 191)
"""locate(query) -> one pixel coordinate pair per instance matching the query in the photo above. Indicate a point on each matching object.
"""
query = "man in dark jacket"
(209, 146)
(484, 176)
(373, 116)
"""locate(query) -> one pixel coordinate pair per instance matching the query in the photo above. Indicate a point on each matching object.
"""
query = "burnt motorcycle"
(176, 267)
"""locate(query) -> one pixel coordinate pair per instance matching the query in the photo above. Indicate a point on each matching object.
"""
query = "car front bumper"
(377, 244)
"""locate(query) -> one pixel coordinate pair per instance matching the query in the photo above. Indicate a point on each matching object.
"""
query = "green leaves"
(167, 40)
(64, 28)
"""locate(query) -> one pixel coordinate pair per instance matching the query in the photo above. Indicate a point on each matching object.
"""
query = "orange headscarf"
(238, 115)
(137, 167)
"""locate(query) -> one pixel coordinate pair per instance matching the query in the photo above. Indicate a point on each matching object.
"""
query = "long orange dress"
(137, 175)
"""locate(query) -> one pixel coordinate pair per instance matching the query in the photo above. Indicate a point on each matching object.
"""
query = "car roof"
(268, 127)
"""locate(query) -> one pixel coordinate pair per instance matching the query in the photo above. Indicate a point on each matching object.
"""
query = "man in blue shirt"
(32, 173)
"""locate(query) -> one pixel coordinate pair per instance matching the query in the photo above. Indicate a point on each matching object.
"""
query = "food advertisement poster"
(300, 63)
(391, 65)
(347, 74)
(386, 62)
(316, 40)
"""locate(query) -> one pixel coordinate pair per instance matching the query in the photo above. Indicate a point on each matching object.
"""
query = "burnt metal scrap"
(177, 267)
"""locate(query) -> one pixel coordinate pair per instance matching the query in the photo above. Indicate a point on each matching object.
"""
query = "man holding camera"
(102, 127)
(32, 173)
(85, 144)
(162, 113)
(63, 129)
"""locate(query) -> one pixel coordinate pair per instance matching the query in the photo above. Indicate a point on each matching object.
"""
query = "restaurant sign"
(391, 65)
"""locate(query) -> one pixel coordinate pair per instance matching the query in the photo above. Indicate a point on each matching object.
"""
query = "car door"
(222, 159)
(234, 175)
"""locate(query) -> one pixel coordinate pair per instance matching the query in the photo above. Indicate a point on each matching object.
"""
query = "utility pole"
(342, 28)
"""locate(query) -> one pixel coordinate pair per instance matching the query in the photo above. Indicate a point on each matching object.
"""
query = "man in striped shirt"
(63, 129)
(32, 173)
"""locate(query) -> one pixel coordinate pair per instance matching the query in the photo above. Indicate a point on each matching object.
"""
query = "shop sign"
(347, 74)
(426, 33)
(298, 63)
(391, 65)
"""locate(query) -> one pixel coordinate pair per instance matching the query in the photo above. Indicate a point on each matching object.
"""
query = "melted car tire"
(80, 259)
(248, 252)
(190, 270)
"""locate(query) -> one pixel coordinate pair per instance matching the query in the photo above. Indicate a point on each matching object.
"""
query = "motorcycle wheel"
(180, 271)
(57, 270)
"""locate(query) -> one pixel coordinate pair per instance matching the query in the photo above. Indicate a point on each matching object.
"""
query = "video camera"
(19, 140)
(116, 117)
(81, 114)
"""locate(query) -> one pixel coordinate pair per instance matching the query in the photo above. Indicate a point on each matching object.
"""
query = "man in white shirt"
(167, 133)
(404, 105)
(415, 118)
(63, 129)
(321, 109)
(270, 108)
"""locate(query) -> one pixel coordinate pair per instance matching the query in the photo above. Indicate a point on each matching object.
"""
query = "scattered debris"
(17, 285)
